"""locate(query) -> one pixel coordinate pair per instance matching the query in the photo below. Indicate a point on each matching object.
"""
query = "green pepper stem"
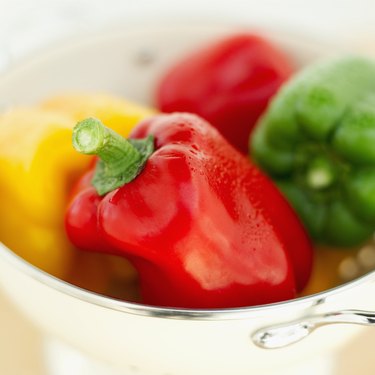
(320, 174)
(120, 161)
(91, 137)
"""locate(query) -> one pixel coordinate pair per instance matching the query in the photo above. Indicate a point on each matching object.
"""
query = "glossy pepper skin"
(317, 141)
(202, 225)
(37, 169)
(228, 83)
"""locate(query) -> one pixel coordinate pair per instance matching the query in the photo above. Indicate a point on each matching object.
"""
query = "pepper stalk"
(120, 160)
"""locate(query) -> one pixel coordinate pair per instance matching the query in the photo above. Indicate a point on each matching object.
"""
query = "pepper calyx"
(120, 160)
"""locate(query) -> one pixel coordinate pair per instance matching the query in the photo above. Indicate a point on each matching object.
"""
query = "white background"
(26, 24)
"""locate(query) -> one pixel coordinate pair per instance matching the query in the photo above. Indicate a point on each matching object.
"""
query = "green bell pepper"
(317, 141)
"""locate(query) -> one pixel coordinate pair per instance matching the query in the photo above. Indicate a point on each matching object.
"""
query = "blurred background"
(28, 25)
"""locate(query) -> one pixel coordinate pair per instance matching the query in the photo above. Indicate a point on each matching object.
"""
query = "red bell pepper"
(229, 83)
(202, 225)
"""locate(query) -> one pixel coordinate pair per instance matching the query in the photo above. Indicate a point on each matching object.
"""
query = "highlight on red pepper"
(229, 83)
(203, 226)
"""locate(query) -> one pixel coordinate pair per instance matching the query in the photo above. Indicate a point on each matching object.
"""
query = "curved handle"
(282, 335)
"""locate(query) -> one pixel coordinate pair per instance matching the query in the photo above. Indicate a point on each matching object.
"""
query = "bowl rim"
(234, 313)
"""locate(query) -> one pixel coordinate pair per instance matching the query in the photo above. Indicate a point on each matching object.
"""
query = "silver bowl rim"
(133, 308)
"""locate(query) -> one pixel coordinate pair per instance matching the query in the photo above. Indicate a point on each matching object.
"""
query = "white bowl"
(137, 338)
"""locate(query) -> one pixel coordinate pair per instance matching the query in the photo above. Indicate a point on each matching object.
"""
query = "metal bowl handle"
(279, 336)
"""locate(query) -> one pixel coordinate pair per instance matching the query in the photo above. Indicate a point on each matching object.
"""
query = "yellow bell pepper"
(114, 112)
(38, 166)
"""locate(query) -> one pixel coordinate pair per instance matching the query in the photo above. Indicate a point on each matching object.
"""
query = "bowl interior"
(125, 62)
